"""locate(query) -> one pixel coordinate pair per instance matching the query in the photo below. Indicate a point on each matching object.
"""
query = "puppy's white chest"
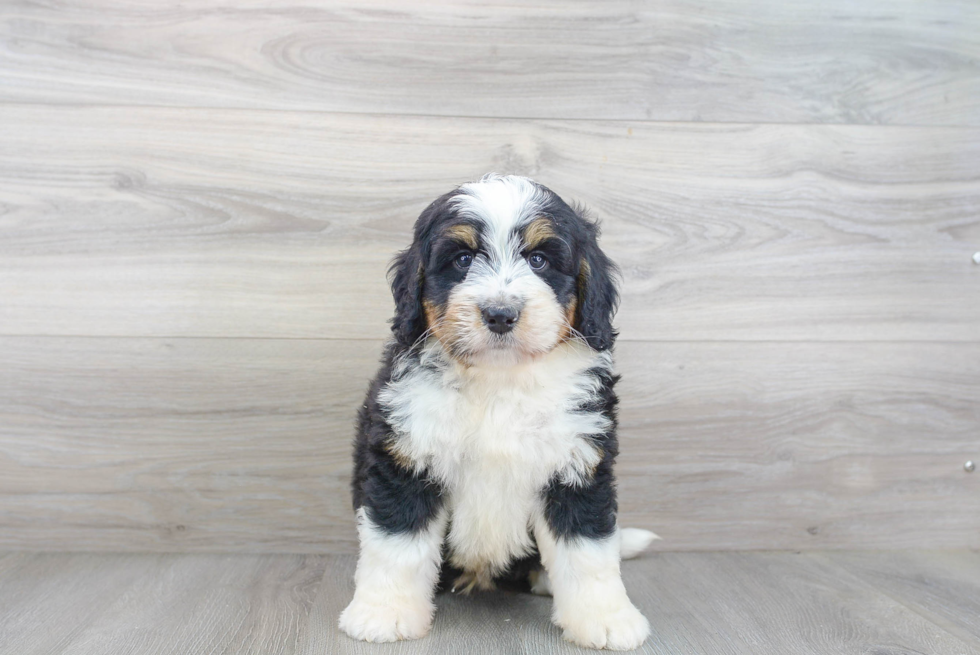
(494, 440)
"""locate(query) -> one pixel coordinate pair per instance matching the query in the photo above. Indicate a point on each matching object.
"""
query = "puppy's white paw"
(389, 620)
(622, 628)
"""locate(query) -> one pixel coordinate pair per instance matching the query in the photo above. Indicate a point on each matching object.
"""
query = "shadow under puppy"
(487, 439)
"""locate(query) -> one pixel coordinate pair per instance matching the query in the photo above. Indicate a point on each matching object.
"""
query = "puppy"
(486, 442)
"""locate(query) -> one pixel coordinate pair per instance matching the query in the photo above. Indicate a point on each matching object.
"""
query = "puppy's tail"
(633, 541)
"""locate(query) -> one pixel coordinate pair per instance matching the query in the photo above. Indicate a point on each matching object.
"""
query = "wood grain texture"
(158, 604)
(941, 586)
(763, 61)
(244, 445)
(46, 601)
(792, 445)
(198, 203)
(774, 603)
(757, 603)
(180, 445)
(169, 222)
(210, 604)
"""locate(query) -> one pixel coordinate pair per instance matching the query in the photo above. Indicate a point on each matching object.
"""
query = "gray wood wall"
(198, 202)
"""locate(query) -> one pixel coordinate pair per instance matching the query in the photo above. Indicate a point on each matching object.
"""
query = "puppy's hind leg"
(396, 579)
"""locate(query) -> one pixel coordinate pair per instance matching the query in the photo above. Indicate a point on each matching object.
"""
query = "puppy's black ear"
(406, 275)
(598, 296)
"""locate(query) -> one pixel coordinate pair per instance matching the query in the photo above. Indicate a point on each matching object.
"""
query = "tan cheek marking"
(465, 233)
(433, 317)
(446, 322)
(537, 231)
(566, 328)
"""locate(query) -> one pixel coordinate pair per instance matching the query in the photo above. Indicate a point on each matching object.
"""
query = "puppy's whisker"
(574, 335)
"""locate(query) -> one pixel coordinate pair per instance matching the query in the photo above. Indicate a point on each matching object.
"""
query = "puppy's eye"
(463, 260)
(537, 261)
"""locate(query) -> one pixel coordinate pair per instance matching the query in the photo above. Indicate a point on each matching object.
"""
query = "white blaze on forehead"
(502, 204)
(500, 276)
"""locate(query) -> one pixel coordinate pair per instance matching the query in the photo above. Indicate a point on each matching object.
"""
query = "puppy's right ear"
(407, 275)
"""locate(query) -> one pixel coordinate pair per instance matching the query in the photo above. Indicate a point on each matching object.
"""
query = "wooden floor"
(785, 603)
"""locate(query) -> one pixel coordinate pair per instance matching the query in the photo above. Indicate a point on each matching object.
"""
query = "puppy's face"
(502, 270)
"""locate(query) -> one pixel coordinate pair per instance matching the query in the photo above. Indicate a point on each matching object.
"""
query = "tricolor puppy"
(485, 447)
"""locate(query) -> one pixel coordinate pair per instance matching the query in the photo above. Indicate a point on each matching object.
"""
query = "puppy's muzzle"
(500, 320)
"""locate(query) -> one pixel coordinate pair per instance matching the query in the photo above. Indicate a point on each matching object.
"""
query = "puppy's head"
(501, 270)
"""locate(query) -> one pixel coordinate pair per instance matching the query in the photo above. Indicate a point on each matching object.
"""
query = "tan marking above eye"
(537, 231)
(465, 233)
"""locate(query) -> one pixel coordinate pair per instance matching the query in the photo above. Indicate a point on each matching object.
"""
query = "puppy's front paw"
(388, 620)
(620, 628)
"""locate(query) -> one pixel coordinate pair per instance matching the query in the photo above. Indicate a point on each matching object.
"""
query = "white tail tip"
(633, 541)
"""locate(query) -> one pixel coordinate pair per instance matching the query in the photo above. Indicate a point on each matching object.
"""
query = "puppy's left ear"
(598, 296)
(406, 275)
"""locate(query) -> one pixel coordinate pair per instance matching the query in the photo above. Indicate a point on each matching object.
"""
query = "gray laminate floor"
(725, 602)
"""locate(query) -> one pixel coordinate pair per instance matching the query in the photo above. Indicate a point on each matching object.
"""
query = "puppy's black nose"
(500, 319)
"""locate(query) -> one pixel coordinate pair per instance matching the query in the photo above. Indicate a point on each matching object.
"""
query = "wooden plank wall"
(198, 202)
